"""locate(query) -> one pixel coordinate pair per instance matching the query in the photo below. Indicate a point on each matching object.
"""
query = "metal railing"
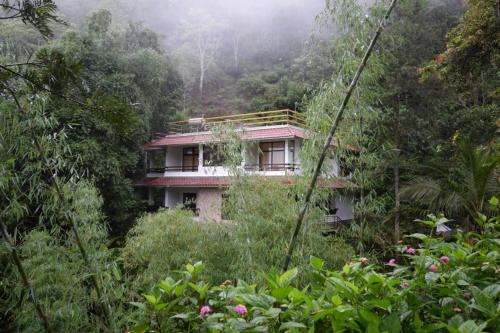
(272, 167)
(185, 168)
(263, 118)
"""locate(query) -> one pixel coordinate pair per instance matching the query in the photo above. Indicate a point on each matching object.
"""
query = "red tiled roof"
(223, 182)
(248, 134)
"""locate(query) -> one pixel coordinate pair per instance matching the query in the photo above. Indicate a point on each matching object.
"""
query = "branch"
(331, 134)
(24, 277)
(74, 229)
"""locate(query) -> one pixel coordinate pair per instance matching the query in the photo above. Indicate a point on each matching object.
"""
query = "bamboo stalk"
(95, 282)
(24, 277)
(331, 134)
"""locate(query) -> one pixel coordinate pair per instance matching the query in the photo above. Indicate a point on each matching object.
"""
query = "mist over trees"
(224, 48)
(85, 84)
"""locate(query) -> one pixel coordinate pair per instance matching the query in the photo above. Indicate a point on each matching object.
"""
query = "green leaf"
(288, 276)
(141, 306)
(494, 201)
(160, 306)
(150, 298)
(391, 324)
(483, 302)
(336, 300)
(183, 316)
(418, 236)
(291, 324)
(139, 328)
(316, 262)
(492, 290)
(471, 327)
(281, 293)
(190, 268)
(431, 277)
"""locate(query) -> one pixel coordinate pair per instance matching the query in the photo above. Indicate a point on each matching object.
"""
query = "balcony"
(185, 168)
(264, 118)
(272, 167)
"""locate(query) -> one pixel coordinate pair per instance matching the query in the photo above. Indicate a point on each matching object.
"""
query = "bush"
(256, 239)
(163, 242)
(438, 287)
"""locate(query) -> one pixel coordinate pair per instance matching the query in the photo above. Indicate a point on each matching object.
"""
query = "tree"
(460, 187)
(38, 13)
(201, 35)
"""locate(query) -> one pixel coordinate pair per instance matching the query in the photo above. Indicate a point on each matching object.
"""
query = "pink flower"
(404, 285)
(411, 250)
(392, 262)
(241, 310)
(432, 268)
(363, 260)
(457, 310)
(444, 259)
(205, 310)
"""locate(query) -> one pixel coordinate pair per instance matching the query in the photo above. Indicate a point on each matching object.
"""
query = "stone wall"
(209, 202)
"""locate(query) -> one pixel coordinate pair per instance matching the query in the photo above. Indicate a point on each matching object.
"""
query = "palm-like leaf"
(460, 187)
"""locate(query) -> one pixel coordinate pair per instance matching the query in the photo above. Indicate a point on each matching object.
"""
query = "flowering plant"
(443, 287)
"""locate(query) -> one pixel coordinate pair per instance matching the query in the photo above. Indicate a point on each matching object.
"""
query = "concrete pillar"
(150, 196)
(287, 151)
(200, 156)
(165, 164)
(165, 199)
(243, 157)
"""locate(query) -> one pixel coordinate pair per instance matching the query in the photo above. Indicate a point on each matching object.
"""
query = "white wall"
(345, 208)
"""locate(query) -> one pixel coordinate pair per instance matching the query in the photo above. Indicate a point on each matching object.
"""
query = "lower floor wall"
(208, 202)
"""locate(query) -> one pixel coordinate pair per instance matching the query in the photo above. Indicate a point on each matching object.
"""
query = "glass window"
(272, 156)
(190, 159)
(212, 155)
(291, 153)
(189, 201)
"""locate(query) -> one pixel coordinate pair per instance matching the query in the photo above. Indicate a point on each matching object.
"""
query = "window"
(272, 156)
(190, 159)
(291, 153)
(212, 155)
(189, 201)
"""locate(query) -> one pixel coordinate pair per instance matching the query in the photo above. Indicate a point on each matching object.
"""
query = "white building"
(181, 167)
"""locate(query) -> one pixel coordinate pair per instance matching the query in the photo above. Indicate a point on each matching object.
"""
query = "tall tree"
(201, 35)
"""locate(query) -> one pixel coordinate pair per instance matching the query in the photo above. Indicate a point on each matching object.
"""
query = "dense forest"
(413, 85)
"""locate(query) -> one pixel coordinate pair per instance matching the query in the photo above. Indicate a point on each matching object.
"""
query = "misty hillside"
(254, 52)
(351, 182)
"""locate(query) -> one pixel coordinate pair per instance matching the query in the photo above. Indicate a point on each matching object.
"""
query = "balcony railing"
(264, 118)
(248, 167)
(271, 167)
(176, 168)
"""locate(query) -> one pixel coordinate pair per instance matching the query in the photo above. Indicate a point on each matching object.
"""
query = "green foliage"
(162, 242)
(58, 273)
(39, 13)
(440, 287)
(460, 187)
(255, 240)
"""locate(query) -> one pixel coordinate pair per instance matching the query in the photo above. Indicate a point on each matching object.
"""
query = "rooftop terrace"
(263, 118)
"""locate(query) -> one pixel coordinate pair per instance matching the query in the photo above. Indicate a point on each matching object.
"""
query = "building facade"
(182, 168)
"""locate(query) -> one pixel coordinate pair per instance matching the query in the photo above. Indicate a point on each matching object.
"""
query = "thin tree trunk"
(72, 224)
(24, 277)
(331, 134)
(397, 197)
(236, 42)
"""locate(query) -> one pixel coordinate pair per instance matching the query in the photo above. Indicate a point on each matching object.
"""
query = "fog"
(282, 20)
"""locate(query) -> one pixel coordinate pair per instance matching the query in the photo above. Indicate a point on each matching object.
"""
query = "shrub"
(437, 287)
(163, 242)
(256, 239)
